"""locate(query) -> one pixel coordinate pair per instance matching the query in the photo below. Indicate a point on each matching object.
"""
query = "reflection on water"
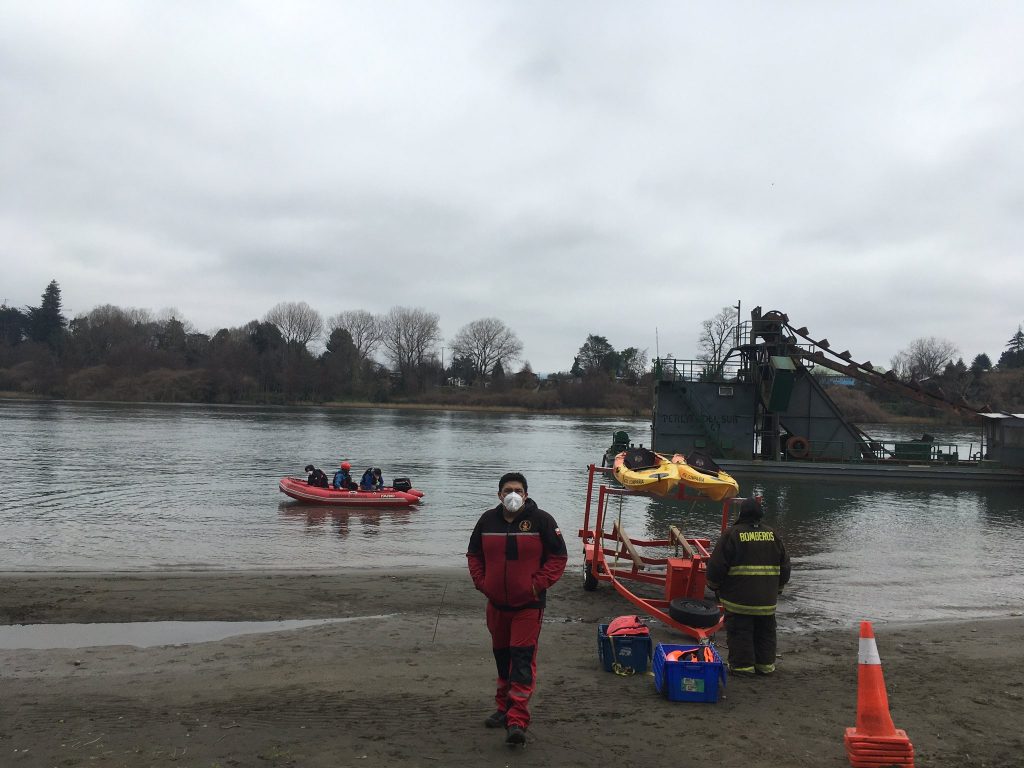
(367, 521)
(123, 487)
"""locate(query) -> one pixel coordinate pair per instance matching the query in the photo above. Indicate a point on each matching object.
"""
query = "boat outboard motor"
(401, 484)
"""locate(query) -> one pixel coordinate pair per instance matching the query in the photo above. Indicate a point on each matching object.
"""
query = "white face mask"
(513, 502)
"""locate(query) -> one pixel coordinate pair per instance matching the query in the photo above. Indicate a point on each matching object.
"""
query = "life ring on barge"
(798, 447)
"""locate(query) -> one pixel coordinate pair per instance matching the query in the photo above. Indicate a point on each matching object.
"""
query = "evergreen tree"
(1013, 356)
(264, 336)
(341, 364)
(12, 325)
(172, 337)
(1016, 342)
(981, 364)
(1011, 359)
(462, 368)
(498, 380)
(46, 324)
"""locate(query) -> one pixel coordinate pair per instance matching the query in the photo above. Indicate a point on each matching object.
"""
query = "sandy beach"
(408, 680)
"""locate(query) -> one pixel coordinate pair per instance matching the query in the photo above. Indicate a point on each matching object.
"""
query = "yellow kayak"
(709, 480)
(642, 470)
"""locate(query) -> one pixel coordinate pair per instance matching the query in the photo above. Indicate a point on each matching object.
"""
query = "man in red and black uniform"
(748, 569)
(515, 554)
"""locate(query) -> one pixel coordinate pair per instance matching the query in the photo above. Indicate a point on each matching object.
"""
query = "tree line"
(295, 354)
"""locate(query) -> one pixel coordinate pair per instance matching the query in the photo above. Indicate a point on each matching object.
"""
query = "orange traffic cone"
(875, 741)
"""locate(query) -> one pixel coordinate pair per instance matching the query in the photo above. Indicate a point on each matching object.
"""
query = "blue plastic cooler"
(688, 680)
(631, 652)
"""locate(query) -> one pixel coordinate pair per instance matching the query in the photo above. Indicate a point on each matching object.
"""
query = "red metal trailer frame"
(615, 557)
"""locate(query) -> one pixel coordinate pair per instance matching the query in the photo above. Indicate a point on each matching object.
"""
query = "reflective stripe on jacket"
(748, 567)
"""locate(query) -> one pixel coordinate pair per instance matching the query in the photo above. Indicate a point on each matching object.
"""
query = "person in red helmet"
(342, 479)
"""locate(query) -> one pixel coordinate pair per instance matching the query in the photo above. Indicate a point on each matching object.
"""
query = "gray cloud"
(570, 169)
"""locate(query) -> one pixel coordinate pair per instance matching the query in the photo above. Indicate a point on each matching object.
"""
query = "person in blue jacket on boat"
(342, 479)
(367, 482)
(378, 479)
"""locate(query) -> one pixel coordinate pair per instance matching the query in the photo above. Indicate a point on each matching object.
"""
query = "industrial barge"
(761, 411)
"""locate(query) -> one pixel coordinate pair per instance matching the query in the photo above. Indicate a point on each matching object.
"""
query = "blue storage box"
(688, 680)
(630, 652)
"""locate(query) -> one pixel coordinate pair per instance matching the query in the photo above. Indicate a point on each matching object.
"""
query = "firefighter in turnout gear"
(747, 570)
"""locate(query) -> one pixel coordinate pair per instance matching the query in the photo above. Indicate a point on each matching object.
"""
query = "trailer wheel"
(589, 579)
(694, 613)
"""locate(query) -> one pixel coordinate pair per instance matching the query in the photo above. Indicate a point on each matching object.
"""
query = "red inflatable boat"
(298, 489)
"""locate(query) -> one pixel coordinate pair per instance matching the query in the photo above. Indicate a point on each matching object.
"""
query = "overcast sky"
(623, 169)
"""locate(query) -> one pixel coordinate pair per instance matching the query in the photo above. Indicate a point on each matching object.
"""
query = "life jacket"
(628, 625)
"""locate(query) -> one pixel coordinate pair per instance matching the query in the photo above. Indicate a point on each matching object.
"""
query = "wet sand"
(410, 684)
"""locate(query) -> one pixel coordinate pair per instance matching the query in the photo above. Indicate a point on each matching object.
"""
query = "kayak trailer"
(610, 554)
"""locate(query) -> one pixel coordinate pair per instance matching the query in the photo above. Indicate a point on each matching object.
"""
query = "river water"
(112, 487)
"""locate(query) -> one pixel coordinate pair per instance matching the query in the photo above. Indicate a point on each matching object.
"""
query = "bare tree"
(716, 337)
(899, 364)
(633, 364)
(297, 321)
(173, 313)
(364, 328)
(113, 335)
(923, 359)
(487, 343)
(409, 337)
(108, 313)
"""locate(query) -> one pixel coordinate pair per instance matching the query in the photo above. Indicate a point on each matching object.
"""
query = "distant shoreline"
(603, 412)
(610, 413)
(362, 404)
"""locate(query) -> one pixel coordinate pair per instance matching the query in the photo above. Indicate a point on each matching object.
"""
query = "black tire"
(694, 613)
(589, 579)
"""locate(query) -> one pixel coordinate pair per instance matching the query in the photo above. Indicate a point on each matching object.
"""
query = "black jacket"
(748, 568)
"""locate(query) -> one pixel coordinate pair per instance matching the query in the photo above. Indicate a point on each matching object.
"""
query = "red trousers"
(514, 636)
